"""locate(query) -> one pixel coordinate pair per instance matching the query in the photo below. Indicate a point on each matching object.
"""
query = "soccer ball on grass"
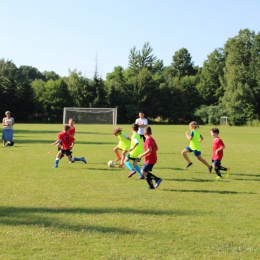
(111, 164)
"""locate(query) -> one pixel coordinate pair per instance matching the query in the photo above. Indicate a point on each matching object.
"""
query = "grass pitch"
(92, 211)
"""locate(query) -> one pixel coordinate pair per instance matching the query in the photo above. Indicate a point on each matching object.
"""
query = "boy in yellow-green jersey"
(195, 138)
(135, 150)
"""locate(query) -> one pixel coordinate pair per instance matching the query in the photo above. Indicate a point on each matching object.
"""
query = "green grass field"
(91, 211)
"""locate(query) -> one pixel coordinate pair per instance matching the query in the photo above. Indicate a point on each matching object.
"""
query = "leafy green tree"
(238, 82)
(209, 85)
(55, 98)
(182, 64)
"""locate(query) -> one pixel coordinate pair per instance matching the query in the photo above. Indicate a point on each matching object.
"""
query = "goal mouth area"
(83, 115)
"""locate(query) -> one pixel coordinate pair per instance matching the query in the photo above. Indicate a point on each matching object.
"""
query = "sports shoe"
(219, 178)
(188, 165)
(83, 160)
(228, 172)
(210, 169)
(141, 178)
(131, 173)
(55, 166)
(158, 183)
(120, 166)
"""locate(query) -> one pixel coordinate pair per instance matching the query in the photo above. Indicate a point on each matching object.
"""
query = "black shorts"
(67, 152)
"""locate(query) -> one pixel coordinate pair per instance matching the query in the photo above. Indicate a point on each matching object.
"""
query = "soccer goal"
(224, 120)
(84, 115)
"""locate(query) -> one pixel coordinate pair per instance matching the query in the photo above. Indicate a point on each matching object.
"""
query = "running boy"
(135, 150)
(150, 154)
(218, 147)
(124, 145)
(67, 144)
(195, 138)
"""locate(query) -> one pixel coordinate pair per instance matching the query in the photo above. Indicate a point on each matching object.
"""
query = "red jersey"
(66, 139)
(150, 158)
(217, 143)
(72, 130)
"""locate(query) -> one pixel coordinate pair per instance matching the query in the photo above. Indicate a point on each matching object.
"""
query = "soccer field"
(91, 211)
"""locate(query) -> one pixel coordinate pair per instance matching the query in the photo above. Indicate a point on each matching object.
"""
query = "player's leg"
(198, 155)
(216, 166)
(58, 156)
(184, 154)
(122, 158)
(141, 176)
(129, 166)
(116, 151)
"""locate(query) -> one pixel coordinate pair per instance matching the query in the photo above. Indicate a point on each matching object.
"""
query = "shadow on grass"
(210, 191)
(245, 174)
(41, 141)
(190, 180)
(41, 132)
(54, 217)
(171, 168)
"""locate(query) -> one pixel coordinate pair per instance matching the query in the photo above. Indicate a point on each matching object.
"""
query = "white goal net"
(83, 115)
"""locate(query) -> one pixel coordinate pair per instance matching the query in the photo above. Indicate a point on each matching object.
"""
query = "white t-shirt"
(140, 121)
(9, 122)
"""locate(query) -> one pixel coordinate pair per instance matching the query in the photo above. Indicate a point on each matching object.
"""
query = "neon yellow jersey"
(194, 142)
(124, 143)
(139, 148)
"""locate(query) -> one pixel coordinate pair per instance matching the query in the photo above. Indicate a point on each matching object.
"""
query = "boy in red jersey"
(71, 132)
(67, 144)
(218, 147)
(150, 148)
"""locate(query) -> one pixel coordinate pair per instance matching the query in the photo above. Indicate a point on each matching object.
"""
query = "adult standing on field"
(142, 122)
(8, 131)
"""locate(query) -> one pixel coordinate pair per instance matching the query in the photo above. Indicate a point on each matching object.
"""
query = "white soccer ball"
(111, 164)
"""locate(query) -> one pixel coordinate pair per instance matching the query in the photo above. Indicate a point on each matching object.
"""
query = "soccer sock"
(59, 148)
(129, 166)
(149, 181)
(118, 155)
(138, 170)
(223, 168)
(153, 177)
(57, 161)
(76, 159)
(218, 172)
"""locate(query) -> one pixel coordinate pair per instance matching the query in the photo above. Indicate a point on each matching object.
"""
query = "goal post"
(224, 120)
(86, 115)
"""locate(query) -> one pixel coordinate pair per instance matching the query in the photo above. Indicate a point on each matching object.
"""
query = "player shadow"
(171, 168)
(54, 218)
(210, 191)
(189, 180)
(245, 174)
(241, 179)
(41, 132)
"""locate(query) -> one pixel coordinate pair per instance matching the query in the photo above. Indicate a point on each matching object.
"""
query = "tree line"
(228, 84)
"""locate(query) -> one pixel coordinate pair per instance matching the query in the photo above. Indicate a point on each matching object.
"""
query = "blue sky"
(58, 35)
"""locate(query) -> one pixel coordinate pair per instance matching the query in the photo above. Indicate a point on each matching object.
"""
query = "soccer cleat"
(219, 178)
(83, 160)
(188, 165)
(141, 178)
(131, 173)
(228, 172)
(210, 169)
(120, 166)
(158, 183)
(55, 166)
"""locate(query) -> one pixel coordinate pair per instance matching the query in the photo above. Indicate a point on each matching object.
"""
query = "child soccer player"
(124, 145)
(218, 147)
(150, 154)
(71, 132)
(135, 150)
(195, 138)
(67, 144)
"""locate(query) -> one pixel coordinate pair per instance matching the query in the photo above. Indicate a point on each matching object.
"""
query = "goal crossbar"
(87, 115)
